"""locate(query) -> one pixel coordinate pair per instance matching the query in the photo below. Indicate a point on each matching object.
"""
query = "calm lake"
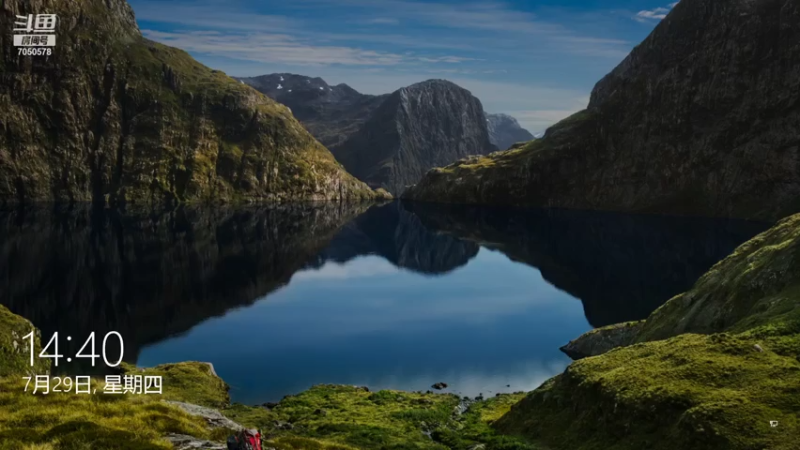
(395, 296)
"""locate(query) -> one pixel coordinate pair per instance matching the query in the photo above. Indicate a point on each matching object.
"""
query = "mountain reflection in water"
(398, 295)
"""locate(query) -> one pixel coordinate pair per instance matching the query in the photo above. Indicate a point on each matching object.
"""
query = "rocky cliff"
(112, 117)
(701, 118)
(330, 113)
(505, 131)
(416, 128)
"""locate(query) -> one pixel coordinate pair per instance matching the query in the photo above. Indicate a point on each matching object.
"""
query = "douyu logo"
(35, 28)
(35, 41)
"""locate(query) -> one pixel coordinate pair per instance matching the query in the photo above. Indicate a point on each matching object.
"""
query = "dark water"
(394, 296)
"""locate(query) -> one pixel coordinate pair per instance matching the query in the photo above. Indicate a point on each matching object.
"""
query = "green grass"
(190, 382)
(66, 421)
(351, 417)
(69, 421)
(691, 391)
(696, 378)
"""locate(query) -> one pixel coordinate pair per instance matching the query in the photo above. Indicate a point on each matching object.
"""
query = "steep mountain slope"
(330, 113)
(416, 128)
(113, 117)
(701, 118)
(505, 131)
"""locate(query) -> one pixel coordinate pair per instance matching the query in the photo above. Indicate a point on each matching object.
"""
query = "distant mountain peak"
(505, 131)
(428, 124)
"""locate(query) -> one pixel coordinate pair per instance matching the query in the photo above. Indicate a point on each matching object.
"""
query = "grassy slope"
(696, 378)
(15, 349)
(334, 417)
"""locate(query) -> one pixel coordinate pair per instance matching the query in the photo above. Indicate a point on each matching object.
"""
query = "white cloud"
(285, 49)
(382, 21)
(649, 15)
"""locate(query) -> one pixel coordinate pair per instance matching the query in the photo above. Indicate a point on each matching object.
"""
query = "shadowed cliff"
(701, 118)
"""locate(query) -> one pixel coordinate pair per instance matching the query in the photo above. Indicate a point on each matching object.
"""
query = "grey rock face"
(602, 340)
(184, 442)
(701, 118)
(330, 113)
(505, 131)
(416, 128)
(214, 418)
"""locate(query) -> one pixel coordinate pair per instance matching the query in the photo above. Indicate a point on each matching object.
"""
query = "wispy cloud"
(475, 26)
(273, 48)
(534, 63)
(382, 21)
(286, 49)
(649, 15)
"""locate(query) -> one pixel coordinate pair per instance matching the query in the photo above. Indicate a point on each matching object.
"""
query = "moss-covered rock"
(755, 290)
(709, 370)
(698, 392)
(113, 117)
(15, 348)
(601, 340)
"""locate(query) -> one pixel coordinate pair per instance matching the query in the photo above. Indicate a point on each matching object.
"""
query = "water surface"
(396, 296)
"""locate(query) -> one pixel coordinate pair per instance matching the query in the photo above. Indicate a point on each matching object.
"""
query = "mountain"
(701, 118)
(113, 117)
(505, 131)
(416, 128)
(330, 113)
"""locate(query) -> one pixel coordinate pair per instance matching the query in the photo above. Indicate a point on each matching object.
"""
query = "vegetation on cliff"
(709, 370)
(700, 118)
(113, 117)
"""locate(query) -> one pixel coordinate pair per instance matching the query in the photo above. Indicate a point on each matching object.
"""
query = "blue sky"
(535, 60)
